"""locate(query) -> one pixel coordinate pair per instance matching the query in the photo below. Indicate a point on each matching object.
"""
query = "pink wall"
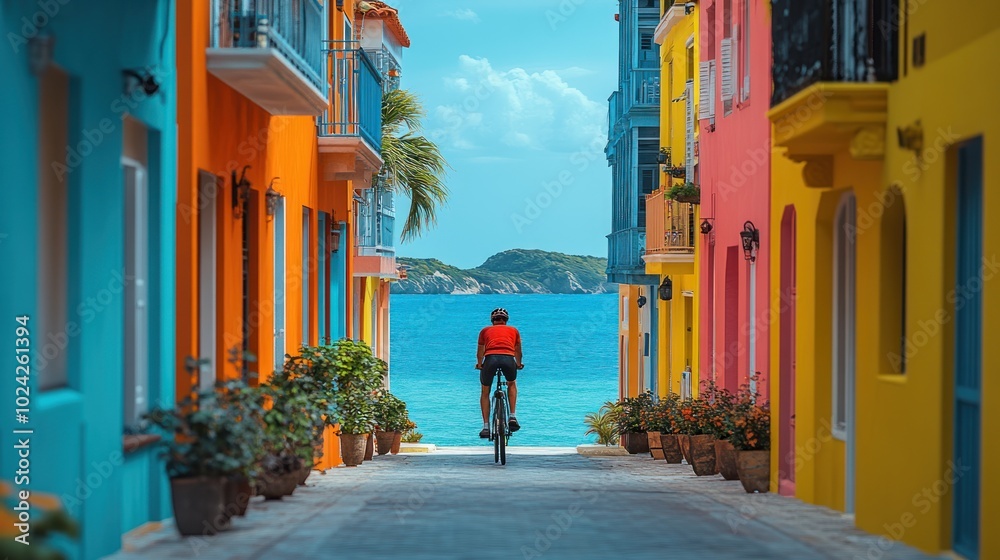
(734, 173)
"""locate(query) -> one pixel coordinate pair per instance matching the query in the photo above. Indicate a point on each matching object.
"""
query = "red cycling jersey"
(499, 339)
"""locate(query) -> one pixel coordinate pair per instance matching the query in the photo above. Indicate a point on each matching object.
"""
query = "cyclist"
(499, 347)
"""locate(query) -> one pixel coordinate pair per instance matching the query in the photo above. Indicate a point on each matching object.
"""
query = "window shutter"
(727, 70)
(704, 89)
(711, 89)
(689, 132)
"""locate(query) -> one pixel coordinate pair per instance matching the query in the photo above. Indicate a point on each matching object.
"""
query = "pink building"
(734, 176)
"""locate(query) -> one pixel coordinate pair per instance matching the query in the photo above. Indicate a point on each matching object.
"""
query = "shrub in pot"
(245, 405)
(390, 419)
(752, 440)
(206, 443)
(357, 375)
(670, 428)
(291, 423)
(629, 420)
(697, 418)
(722, 409)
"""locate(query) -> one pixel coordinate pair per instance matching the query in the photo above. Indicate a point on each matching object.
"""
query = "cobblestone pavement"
(546, 503)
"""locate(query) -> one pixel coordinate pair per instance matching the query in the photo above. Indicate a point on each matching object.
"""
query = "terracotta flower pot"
(238, 492)
(303, 474)
(725, 459)
(754, 468)
(352, 448)
(635, 442)
(369, 446)
(383, 441)
(397, 438)
(671, 448)
(199, 505)
(653, 440)
(685, 442)
(703, 454)
(274, 486)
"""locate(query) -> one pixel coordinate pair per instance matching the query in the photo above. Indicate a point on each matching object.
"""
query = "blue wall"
(77, 444)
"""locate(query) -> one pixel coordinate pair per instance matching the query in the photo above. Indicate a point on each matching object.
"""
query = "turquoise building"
(87, 221)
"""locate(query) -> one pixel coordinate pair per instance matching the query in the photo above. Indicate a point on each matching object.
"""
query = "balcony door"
(136, 330)
(786, 357)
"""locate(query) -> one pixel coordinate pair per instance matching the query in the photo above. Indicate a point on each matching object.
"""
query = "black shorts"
(491, 362)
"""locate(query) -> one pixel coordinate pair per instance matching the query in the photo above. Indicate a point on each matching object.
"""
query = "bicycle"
(499, 427)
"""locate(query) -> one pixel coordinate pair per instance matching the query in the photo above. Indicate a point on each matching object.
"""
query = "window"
(689, 54)
(53, 191)
(306, 274)
(892, 332)
(646, 41)
(209, 186)
(745, 50)
(728, 61)
(844, 233)
(136, 329)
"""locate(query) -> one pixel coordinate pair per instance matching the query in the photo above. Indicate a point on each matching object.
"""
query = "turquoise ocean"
(570, 356)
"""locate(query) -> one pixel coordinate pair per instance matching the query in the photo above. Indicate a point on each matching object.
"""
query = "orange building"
(279, 135)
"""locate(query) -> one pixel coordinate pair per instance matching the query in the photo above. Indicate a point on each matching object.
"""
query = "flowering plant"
(633, 413)
(751, 425)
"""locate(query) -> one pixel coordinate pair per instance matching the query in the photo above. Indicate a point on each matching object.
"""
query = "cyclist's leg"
(509, 366)
(485, 380)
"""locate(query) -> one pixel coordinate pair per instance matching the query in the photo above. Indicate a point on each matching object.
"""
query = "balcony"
(670, 235)
(375, 241)
(831, 65)
(270, 51)
(644, 90)
(350, 130)
(625, 250)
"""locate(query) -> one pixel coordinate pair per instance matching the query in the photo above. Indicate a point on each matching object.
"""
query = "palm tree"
(413, 164)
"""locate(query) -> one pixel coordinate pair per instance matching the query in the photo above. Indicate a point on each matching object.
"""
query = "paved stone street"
(548, 503)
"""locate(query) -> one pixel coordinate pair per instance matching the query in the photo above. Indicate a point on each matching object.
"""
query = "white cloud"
(465, 14)
(536, 110)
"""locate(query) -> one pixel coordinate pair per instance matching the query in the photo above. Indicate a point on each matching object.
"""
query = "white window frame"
(208, 279)
(745, 86)
(279, 284)
(136, 339)
(843, 371)
(306, 273)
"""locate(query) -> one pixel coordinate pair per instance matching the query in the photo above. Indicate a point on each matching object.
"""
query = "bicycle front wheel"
(497, 436)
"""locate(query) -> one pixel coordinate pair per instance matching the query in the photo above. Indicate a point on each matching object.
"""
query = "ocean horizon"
(570, 344)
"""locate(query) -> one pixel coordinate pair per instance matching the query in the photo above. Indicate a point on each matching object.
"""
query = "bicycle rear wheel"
(502, 430)
(497, 433)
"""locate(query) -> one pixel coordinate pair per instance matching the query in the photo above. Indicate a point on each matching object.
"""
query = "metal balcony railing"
(355, 95)
(296, 29)
(832, 41)
(669, 225)
(614, 109)
(625, 250)
(376, 222)
(645, 87)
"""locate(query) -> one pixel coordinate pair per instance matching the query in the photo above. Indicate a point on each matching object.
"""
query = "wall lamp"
(689, 8)
(666, 289)
(272, 198)
(241, 193)
(641, 301)
(334, 232)
(143, 80)
(706, 226)
(751, 241)
(911, 137)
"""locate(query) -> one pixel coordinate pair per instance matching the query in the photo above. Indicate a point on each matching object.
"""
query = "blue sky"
(516, 97)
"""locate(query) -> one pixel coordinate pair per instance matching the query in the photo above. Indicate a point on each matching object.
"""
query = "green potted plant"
(629, 421)
(357, 374)
(410, 434)
(697, 421)
(685, 192)
(602, 424)
(390, 419)
(209, 444)
(722, 410)
(669, 425)
(244, 405)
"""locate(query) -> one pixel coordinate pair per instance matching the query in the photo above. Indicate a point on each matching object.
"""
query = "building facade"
(672, 238)
(633, 145)
(734, 146)
(87, 244)
(879, 206)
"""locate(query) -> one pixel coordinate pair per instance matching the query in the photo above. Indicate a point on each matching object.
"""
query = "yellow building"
(879, 193)
(672, 237)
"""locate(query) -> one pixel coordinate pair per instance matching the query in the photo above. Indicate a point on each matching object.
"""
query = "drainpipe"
(753, 325)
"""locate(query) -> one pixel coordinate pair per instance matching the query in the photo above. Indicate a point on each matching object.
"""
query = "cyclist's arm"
(480, 354)
(517, 352)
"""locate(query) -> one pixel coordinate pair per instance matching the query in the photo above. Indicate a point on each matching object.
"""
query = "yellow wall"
(904, 421)
(906, 443)
(673, 351)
